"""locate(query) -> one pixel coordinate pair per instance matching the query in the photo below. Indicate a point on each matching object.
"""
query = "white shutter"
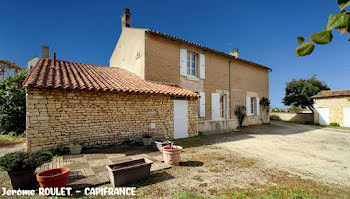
(257, 106)
(183, 61)
(202, 66)
(248, 105)
(202, 104)
(215, 106)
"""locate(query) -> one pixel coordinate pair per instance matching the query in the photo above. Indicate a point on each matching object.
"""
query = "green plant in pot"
(75, 148)
(21, 166)
(147, 138)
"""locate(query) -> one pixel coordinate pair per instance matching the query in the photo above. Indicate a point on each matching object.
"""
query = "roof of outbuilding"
(75, 75)
(204, 48)
(335, 93)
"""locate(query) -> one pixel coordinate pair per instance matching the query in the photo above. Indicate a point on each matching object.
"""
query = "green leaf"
(300, 40)
(343, 4)
(339, 20)
(305, 49)
(323, 37)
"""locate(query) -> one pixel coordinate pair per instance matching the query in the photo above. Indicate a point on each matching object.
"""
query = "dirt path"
(322, 154)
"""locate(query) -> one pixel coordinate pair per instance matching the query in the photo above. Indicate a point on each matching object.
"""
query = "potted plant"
(147, 138)
(53, 178)
(75, 148)
(129, 171)
(20, 166)
(172, 154)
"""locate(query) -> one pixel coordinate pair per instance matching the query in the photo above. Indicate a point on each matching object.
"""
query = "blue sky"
(263, 31)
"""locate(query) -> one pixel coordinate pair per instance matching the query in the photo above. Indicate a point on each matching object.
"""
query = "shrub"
(20, 161)
(275, 117)
(334, 124)
(13, 104)
(240, 112)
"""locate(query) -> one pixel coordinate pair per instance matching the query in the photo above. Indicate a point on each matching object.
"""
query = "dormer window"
(191, 64)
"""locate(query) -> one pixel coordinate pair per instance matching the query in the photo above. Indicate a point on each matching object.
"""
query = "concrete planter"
(159, 144)
(147, 141)
(75, 149)
(129, 171)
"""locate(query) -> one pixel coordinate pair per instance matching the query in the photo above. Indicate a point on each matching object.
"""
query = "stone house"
(332, 107)
(94, 105)
(223, 80)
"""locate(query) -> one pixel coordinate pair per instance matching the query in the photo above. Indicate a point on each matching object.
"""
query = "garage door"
(323, 116)
(346, 116)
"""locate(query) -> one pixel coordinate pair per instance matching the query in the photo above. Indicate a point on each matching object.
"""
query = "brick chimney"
(126, 18)
(45, 52)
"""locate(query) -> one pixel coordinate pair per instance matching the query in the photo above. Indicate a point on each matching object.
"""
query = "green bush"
(13, 104)
(240, 112)
(275, 117)
(20, 161)
(334, 124)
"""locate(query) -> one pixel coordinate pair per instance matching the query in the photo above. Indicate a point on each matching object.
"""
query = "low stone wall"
(295, 117)
(217, 126)
(57, 118)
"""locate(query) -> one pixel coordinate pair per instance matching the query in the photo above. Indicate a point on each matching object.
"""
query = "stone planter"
(129, 171)
(22, 179)
(147, 141)
(172, 155)
(75, 149)
(53, 178)
(159, 144)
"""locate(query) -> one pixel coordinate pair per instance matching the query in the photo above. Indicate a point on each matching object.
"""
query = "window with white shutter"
(183, 62)
(202, 104)
(202, 66)
(248, 105)
(215, 106)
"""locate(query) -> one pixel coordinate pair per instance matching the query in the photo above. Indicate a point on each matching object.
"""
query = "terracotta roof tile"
(74, 75)
(332, 93)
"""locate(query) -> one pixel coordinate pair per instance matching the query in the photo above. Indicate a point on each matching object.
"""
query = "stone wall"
(295, 117)
(56, 118)
(335, 105)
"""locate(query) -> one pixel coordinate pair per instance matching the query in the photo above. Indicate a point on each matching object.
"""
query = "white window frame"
(192, 59)
(252, 106)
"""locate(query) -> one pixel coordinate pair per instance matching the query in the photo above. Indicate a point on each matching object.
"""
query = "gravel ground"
(318, 153)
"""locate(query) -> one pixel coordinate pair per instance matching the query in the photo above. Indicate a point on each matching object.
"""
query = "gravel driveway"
(318, 153)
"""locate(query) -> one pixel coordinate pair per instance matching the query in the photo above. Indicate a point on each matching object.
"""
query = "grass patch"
(334, 124)
(186, 195)
(9, 139)
(213, 169)
(198, 178)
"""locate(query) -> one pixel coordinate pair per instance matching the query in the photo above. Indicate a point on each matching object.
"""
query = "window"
(252, 105)
(222, 106)
(191, 64)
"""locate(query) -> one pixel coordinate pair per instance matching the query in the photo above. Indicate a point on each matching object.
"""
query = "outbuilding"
(332, 107)
(71, 102)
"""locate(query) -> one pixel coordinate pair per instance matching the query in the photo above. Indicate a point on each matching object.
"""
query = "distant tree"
(13, 104)
(299, 92)
(9, 67)
(295, 109)
(338, 21)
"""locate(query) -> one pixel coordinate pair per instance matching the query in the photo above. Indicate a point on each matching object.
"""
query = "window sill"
(192, 78)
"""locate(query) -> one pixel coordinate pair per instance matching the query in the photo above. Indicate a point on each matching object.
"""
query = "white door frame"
(180, 119)
(346, 123)
(324, 120)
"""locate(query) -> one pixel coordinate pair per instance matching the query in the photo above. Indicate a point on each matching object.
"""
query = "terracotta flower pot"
(172, 155)
(22, 179)
(53, 178)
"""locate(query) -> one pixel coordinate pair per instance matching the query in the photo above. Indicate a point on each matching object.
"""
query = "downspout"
(229, 84)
